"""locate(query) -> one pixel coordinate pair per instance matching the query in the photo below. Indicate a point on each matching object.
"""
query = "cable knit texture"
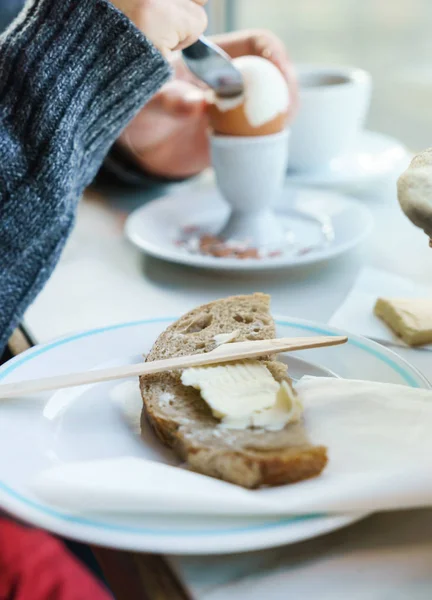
(72, 74)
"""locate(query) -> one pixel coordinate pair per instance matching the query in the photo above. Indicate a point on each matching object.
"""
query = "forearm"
(119, 168)
(72, 74)
(116, 167)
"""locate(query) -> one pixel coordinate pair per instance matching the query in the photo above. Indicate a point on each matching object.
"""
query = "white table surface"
(384, 557)
(102, 279)
(83, 293)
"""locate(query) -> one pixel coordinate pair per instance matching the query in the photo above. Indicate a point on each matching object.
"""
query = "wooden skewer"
(224, 353)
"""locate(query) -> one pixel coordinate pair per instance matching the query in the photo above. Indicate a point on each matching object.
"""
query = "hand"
(268, 45)
(168, 24)
(169, 137)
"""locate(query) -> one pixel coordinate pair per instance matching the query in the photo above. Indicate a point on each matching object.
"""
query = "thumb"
(181, 98)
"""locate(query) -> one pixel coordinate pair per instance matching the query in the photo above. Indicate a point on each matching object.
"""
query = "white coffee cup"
(250, 174)
(334, 102)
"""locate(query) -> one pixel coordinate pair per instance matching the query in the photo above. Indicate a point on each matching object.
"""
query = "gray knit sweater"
(72, 74)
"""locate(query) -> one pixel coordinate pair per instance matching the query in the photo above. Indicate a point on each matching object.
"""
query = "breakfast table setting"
(309, 217)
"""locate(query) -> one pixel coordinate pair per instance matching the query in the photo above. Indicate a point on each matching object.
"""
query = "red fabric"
(35, 566)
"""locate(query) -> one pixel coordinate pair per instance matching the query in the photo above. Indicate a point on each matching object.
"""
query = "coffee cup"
(334, 103)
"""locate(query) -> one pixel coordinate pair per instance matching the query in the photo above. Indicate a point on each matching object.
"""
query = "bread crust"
(181, 419)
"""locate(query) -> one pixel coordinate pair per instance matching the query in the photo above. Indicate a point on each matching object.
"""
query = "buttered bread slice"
(251, 457)
(409, 318)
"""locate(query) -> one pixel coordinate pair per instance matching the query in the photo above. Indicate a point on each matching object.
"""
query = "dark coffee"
(321, 80)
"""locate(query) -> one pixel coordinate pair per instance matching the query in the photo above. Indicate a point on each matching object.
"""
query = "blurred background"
(390, 38)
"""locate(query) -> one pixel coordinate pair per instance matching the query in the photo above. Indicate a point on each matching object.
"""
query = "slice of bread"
(182, 420)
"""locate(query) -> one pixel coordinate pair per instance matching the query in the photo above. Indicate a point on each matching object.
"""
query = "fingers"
(269, 46)
(196, 29)
(197, 22)
(177, 107)
(186, 42)
(167, 157)
(266, 44)
(293, 89)
(181, 98)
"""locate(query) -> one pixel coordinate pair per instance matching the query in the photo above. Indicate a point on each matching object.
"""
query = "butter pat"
(245, 394)
(410, 319)
(226, 338)
(287, 409)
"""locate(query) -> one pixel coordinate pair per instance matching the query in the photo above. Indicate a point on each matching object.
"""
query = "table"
(102, 279)
(82, 292)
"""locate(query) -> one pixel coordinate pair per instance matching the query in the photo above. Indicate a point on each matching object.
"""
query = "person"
(73, 75)
(176, 117)
(150, 150)
(36, 566)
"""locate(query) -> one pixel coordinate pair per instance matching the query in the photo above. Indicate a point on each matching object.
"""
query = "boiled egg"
(262, 109)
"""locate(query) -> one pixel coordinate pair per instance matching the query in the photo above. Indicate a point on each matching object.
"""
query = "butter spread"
(226, 338)
(410, 318)
(245, 394)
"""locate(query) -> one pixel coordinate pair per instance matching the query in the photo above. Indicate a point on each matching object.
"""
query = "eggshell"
(235, 122)
(261, 110)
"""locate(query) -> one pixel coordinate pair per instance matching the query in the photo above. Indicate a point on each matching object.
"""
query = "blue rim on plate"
(52, 512)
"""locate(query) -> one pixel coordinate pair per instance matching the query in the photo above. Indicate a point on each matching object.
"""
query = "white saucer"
(323, 225)
(376, 159)
(83, 424)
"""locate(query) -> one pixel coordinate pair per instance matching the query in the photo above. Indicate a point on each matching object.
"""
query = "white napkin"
(136, 485)
(356, 313)
(380, 457)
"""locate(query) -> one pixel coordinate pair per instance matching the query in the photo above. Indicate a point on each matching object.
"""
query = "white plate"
(376, 158)
(324, 225)
(32, 439)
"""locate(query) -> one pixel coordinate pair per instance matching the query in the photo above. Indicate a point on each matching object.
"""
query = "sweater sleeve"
(72, 74)
(116, 168)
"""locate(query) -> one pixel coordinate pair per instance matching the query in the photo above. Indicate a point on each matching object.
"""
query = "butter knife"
(222, 354)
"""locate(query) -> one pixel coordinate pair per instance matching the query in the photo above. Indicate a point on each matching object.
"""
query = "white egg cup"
(250, 173)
